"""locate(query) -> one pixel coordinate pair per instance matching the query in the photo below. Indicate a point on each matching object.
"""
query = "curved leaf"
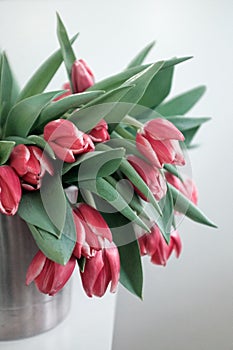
(66, 48)
(138, 60)
(181, 104)
(5, 150)
(106, 191)
(43, 75)
(24, 114)
(185, 206)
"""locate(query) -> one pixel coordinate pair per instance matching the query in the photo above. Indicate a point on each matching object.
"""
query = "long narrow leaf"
(43, 75)
(24, 114)
(56, 109)
(107, 192)
(181, 104)
(66, 48)
(139, 58)
(185, 206)
(138, 182)
(8, 89)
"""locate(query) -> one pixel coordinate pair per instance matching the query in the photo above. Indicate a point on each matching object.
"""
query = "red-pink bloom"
(100, 132)
(100, 270)
(30, 163)
(151, 175)
(49, 277)
(81, 76)
(158, 141)
(187, 187)
(66, 140)
(91, 230)
(67, 87)
(10, 190)
(154, 245)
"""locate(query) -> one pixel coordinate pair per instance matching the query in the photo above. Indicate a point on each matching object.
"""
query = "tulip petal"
(35, 267)
(162, 129)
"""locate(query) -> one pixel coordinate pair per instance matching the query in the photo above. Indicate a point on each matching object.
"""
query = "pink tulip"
(100, 270)
(67, 87)
(151, 176)
(91, 230)
(100, 132)
(158, 141)
(10, 190)
(81, 76)
(66, 140)
(154, 245)
(49, 277)
(30, 163)
(187, 187)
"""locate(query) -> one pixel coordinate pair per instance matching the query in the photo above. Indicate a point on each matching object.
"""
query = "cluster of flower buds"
(94, 242)
(158, 144)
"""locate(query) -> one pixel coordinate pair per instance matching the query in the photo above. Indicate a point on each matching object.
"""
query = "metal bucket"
(24, 311)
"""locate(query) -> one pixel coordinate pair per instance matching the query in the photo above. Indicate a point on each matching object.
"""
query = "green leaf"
(127, 169)
(44, 74)
(56, 109)
(20, 140)
(129, 146)
(57, 250)
(125, 189)
(140, 81)
(100, 165)
(185, 206)
(138, 60)
(165, 221)
(31, 209)
(54, 200)
(89, 116)
(173, 170)
(40, 142)
(184, 123)
(24, 114)
(158, 89)
(131, 276)
(107, 192)
(8, 89)
(181, 104)
(66, 48)
(5, 150)
(189, 135)
(117, 80)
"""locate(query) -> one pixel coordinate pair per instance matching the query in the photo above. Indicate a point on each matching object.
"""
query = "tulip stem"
(132, 122)
(124, 133)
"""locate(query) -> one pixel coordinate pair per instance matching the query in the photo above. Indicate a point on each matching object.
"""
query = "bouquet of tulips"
(93, 168)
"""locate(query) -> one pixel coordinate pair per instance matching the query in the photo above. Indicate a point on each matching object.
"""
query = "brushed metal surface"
(24, 311)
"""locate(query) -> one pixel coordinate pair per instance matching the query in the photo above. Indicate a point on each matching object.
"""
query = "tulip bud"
(66, 140)
(100, 270)
(81, 76)
(158, 142)
(154, 245)
(91, 230)
(10, 190)
(151, 176)
(100, 132)
(49, 277)
(30, 163)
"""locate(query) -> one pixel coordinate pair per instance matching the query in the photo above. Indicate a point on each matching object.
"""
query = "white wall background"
(189, 304)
